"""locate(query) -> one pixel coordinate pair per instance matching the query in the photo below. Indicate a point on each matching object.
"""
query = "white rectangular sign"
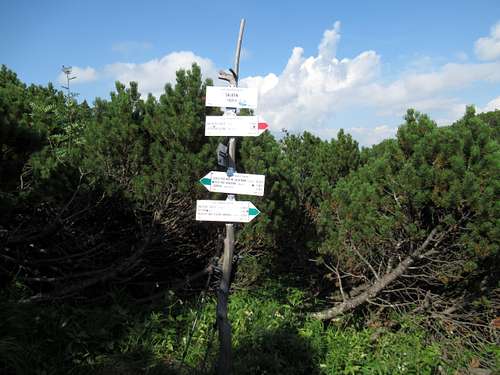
(238, 183)
(234, 126)
(226, 211)
(231, 97)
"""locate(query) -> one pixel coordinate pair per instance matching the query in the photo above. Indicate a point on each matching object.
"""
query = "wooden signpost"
(230, 211)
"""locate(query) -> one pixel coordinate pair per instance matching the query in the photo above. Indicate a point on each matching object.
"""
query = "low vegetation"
(380, 260)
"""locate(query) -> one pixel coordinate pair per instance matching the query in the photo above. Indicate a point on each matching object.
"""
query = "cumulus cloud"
(82, 75)
(324, 92)
(488, 48)
(310, 91)
(152, 75)
(423, 90)
(369, 136)
(492, 105)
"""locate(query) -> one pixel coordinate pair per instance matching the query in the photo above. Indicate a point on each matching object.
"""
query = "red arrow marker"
(263, 126)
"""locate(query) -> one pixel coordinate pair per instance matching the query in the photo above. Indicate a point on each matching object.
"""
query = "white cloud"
(369, 136)
(424, 90)
(154, 74)
(488, 48)
(491, 105)
(151, 75)
(311, 91)
(328, 46)
(451, 113)
(82, 75)
(364, 135)
(324, 92)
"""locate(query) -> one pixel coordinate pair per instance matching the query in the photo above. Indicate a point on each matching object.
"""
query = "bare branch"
(379, 285)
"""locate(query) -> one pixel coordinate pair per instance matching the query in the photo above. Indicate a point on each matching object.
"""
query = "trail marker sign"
(225, 211)
(231, 97)
(234, 126)
(238, 183)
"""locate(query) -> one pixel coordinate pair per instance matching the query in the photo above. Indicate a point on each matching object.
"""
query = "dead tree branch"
(380, 284)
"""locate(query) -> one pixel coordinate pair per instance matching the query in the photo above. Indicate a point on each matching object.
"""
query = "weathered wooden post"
(230, 211)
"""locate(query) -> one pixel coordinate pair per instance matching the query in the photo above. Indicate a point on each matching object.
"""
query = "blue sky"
(359, 64)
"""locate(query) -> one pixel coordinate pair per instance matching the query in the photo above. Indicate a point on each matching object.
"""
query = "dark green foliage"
(262, 156)
(98, 220)
(300, 171)
(27, 116)
(148, 150)
(429, 178)
(492, 119)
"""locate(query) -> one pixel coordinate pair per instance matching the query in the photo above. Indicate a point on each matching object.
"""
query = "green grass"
(271, 335)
